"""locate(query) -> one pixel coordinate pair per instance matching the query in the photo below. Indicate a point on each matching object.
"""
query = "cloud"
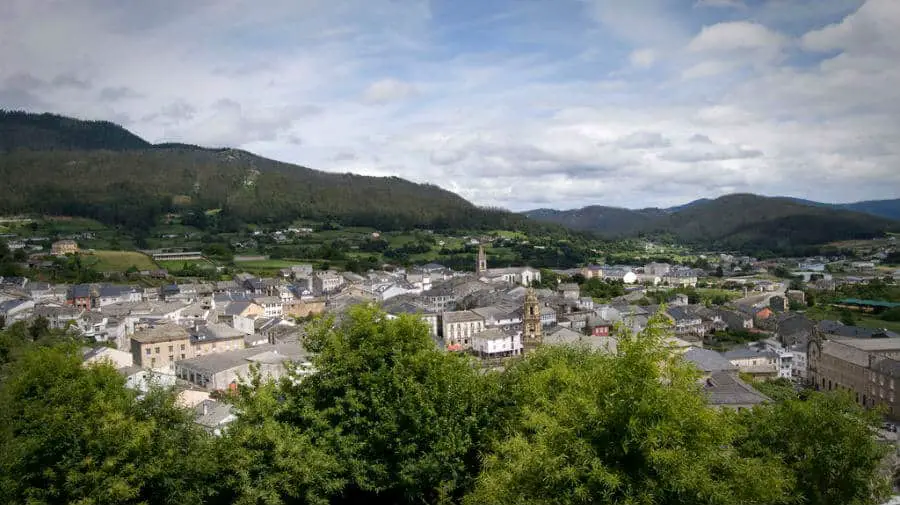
(116, 93)
(733, 4)
(388, 90)
(642, 58)
(736, 35)
(642, 140)
(567, 104)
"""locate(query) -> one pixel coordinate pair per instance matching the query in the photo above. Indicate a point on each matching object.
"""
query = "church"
(512, 275)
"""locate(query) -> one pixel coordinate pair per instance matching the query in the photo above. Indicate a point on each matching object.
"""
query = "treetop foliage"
(387, 417)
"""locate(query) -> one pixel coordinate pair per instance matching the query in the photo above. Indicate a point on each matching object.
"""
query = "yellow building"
(161, 346)
(63, 247)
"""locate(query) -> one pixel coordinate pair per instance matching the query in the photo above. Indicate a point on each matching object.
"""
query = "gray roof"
(681, 314)
(723, 389)
(708, 361)
(461, 316)
(235, 308)
(216, 413)
(216, 331)
(749, 352)
(561, 336)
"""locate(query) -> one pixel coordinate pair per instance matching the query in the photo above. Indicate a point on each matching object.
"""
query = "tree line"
(388, 418)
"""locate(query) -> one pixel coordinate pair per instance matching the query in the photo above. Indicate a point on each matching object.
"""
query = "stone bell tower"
(481, 265)
(531, 321)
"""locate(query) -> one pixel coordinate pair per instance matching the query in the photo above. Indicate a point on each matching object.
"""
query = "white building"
(496, 343)
(459, 328)
(272, 305)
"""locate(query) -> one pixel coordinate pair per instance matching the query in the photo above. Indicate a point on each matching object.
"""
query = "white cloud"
(712, 110)
(733, 4)
(736, 35)
(388, 90)
(643, 58)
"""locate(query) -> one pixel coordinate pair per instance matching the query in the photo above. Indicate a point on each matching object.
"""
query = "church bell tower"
(481, 265)
(531, 322)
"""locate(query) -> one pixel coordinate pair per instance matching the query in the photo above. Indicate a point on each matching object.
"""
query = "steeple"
(531, 321)
(481, 265)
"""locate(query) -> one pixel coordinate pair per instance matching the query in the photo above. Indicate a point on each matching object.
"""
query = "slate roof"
(708, 361)
(164, 333)
(681, 314)
(216, 414)
(749, 352)
(461, 317)
(723, 389)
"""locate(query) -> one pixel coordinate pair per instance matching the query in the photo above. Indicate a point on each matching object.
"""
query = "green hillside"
(56, 165)
(740, 221)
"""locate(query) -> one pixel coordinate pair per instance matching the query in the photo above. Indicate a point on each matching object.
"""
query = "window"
(171, 358)
(182, 355)
(171, 348)
(152, 362)
(147, 351)
(182, 347)
(156, 350)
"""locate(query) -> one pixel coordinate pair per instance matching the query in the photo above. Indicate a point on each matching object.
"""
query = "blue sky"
(513, 103)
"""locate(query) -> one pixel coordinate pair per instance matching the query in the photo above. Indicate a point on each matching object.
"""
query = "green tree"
(404, 420)
(826, 442)
(593, 428)
(848, 318)
(70, 434)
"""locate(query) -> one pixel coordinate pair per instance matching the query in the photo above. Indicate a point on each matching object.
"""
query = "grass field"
(119, 261)
(711, 293)
(268, 263)
(178, 265)
(819, 313)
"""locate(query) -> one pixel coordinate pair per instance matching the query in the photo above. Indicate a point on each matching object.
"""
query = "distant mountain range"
(739, 221)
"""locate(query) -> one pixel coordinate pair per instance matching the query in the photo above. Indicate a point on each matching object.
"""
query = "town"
(742, 321)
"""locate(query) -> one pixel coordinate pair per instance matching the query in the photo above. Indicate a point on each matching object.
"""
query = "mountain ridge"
(736, 221)
(54, 164)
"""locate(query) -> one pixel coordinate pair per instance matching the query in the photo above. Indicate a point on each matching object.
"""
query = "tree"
(719, 271)
(70, 434)
(587, 427)
(404, 420)
(827, 444)
(848, 318)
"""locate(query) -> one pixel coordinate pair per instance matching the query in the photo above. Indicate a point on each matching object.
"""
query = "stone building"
(852, 365)
(531, 321)
(460, 327)
(161, 346)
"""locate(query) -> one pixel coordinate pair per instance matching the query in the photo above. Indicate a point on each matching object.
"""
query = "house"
(561, 336)
(246, 309)
(592, 272)
(81, 296)
(499, 315)
(15, 310)
(686, 323)
(395, 310)
(114, 357)
(327, 282)
(142, 380)
(214, 416)
(460, 327)
(495, 343)
(736, 321)
(110, 294)
(223, 371)
(657, 269)
(726, 390)
(216, 337)
(272, 305)
(40, 291)
(160, 346)
(63, 247)
(301, 270)
(303, 307)
(756, 361)
(569, 291)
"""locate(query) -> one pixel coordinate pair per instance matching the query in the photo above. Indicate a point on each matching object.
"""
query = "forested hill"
(56, 165)
(739, 221)
(41, 132)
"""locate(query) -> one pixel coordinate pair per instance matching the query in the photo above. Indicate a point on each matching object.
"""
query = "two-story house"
(460, 327)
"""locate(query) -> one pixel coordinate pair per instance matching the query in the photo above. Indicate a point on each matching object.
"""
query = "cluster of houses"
(207, 337)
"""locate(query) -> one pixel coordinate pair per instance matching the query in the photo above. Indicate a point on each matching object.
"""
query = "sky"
(518, 104)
